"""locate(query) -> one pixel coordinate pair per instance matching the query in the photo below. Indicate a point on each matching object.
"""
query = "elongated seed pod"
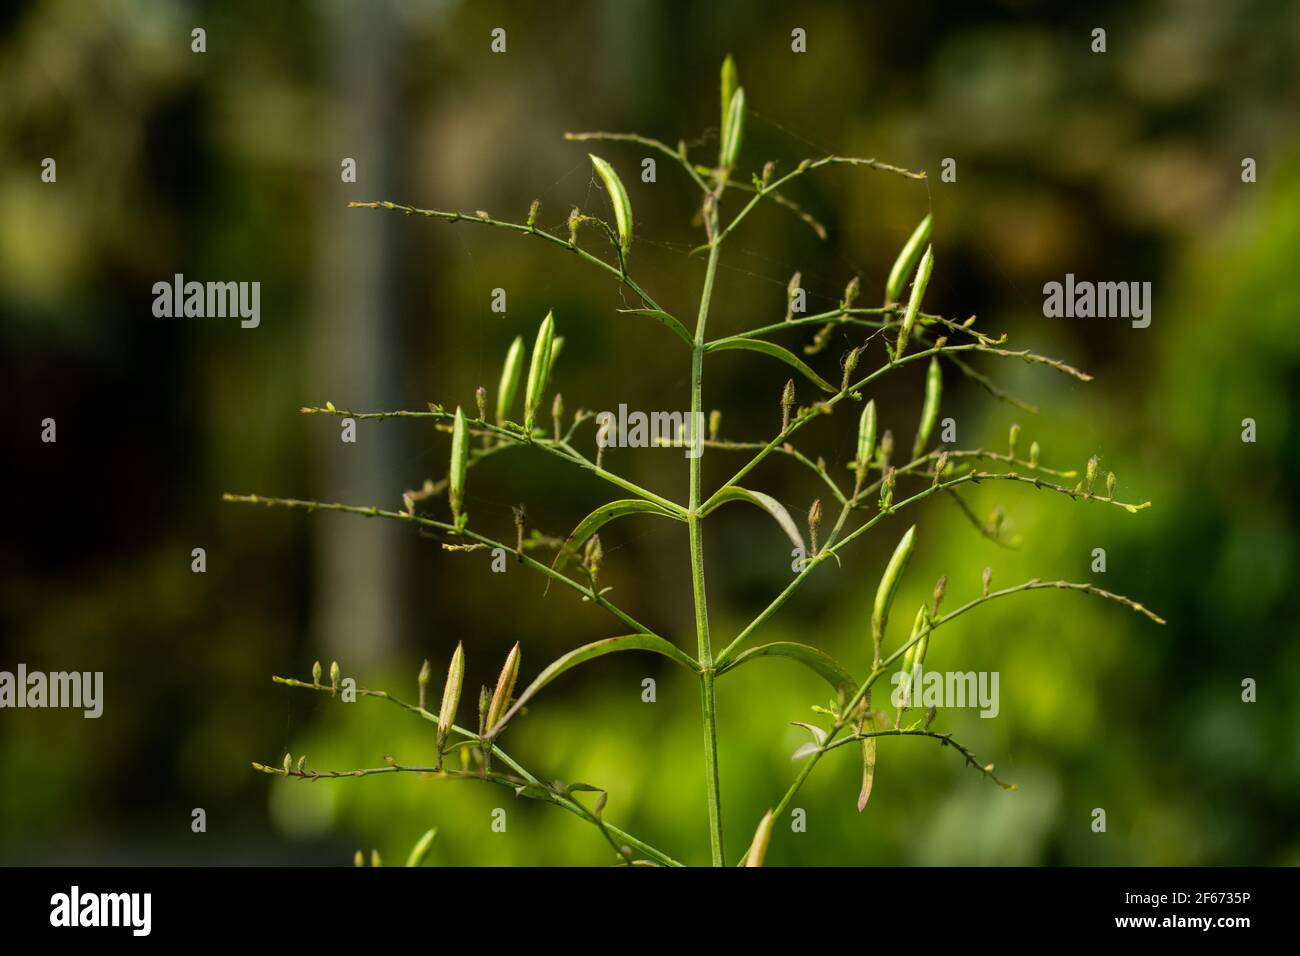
(888, 585)
(762, 837)
(930, 409)
(422, 681)
(505, 687)
(511, 374)
(914, 303)
(919, 627)
(539, 370)
(912, 658)
(866, 438)
(733, 130)
(619, 199)
(730, 80)
(451, 695)
(906, 261)
(459, 463)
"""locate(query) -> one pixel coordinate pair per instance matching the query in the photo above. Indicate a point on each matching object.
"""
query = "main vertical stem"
(707, 700)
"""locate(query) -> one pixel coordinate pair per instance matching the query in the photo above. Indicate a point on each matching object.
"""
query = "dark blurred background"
(225, 165)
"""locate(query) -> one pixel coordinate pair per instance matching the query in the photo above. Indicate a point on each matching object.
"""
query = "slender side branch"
(526, 779)
(591, 595)
(519, 227)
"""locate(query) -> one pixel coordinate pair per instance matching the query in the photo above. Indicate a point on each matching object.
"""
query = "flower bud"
(715, 424)
(940, 588)
(1091, 474)
(480, 399)
(1013, 436)
(334, 674)
(987, 579)
(315, 674)
(532, 212)
(850, 293)
(1110, 484)
(733, 130)
(814, 522)
(1033, 455)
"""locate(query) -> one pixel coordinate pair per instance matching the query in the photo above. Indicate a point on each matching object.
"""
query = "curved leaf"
(611, 645)
(777, 352)
(663, 317)
(767, 503)
(599, 518)
(817, 661)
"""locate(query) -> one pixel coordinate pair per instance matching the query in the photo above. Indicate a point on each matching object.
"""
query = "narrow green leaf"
(618, 197)
(601, 517)
(663, 317)
(767, 503)
(421, 848)
(776, 352)
(819, 662)
(611, 645)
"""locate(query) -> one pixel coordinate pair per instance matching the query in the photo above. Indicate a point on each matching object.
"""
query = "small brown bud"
(787, 402)
(814, 522)
(422, 680)
(480, 399)
(940, 589)
(769, 170)
(988, 578)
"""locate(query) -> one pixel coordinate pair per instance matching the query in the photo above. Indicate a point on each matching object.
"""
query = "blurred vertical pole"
(355, 593)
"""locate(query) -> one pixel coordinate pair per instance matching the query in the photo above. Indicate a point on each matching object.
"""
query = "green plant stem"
(708, 702)
(591, 595)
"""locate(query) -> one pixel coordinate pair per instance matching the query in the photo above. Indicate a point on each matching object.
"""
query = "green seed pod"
(930, 409)
(510, 376)
(459, 463)
(422, 681)
(906, 261)
(733, 130)
(887, 488)
(505, 687)
(918, 626)
(315, 674)
(451, 696)
(914, 303)
(619, 199)
(730, 80)
(889, 585)
(866, 438)
(539, 370)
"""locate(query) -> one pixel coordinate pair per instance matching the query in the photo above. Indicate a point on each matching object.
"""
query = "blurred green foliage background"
(225, 165)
